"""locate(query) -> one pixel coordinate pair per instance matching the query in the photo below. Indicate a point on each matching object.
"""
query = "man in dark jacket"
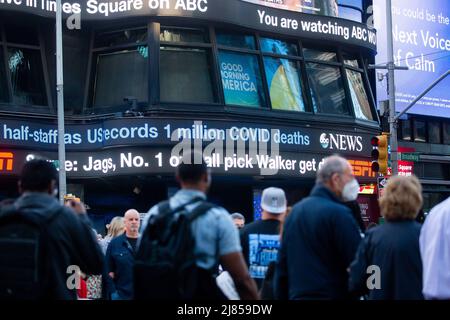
(120, 258)
(72, 244)
(320, 238)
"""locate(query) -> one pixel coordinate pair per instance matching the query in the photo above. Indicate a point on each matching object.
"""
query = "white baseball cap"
(273, 200)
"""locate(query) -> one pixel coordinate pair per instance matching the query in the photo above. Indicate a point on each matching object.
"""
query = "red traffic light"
(374, 141)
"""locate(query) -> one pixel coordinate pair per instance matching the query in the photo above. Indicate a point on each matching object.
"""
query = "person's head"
(116, 227)
(401, 199)
(132, 223)
(238, 219)
(273, 203)
(192, 172)
(336, 174)
(39, 176)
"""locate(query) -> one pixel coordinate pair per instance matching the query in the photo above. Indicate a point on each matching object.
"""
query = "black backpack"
(24, 254)
(165, 265)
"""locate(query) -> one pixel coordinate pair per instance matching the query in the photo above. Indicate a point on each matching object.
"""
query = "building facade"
(265, 90)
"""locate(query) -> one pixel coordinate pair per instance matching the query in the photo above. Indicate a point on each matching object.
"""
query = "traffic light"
(380, 154)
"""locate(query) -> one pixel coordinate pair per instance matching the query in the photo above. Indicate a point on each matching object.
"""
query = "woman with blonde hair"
(115, 228)
(387, 265)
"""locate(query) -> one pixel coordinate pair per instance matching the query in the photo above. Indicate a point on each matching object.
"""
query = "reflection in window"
(185, 75)
(182, 35)
(241, 79)
(25, 67)
(115, 38)
(235, 40)
(278, 47)
(327, 88)
(284, 85)
(446, 132)
(419, 131)
(350, 14)
(359, 97)
(3, 85)
(319, 55)
(119, 75)
(434, 132)
(406, 129)
(350, 60)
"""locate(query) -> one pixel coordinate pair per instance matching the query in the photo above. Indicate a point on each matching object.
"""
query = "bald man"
(120, 258)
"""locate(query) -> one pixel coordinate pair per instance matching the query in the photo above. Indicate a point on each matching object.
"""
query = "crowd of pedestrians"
(317, 249)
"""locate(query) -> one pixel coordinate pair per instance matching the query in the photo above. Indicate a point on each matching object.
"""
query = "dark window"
(278, 47)
(405, 130)
(185, 75)
(21, 34)
(25, 67)
(121, 74)
(284, 85)
(122, 37)
(235, 40)
(319, 55)
(3, 85)
(241, 79)
(419, 131)
(446, 132)
(434, 132)
(358, 93)
(327, 89)
(183, 35)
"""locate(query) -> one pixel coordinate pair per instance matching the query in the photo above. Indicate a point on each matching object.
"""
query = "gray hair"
(237, 215)
(331, 165)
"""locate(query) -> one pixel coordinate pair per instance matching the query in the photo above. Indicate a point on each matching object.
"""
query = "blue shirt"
(214, 232)
(120, 260)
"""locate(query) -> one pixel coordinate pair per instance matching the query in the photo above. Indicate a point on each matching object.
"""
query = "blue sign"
(421, 35)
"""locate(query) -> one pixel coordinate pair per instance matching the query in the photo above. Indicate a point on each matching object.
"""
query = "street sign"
(382, 181)
(410, 156)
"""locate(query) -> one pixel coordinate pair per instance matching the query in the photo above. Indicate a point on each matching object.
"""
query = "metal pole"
(60, 104)
(431, 86)
(391, 86)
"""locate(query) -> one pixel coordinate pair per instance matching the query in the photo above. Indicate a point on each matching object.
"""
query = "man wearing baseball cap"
(260, 239)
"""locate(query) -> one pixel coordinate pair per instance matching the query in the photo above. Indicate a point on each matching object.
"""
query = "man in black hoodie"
(71, 245)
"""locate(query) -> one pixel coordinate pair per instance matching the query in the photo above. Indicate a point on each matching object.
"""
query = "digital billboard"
(421, 35)
(323, 7)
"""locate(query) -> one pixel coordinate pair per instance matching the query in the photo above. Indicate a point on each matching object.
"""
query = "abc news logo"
(341, 142)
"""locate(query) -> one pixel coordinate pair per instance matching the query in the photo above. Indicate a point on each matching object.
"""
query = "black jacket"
(393, 248)
(120, 260)
(319, 242)
(72, 242)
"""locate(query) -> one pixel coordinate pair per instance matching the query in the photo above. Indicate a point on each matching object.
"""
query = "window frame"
(91, 76)
(299, 63)
(336, 64)
(363, 71)
(10, 104)
(253, 52)
(207, 46)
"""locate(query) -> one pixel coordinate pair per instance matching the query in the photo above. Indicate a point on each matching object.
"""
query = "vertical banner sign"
(405, 168)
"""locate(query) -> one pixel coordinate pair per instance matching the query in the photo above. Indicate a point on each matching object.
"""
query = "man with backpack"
(185, 239)
(44, 245)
